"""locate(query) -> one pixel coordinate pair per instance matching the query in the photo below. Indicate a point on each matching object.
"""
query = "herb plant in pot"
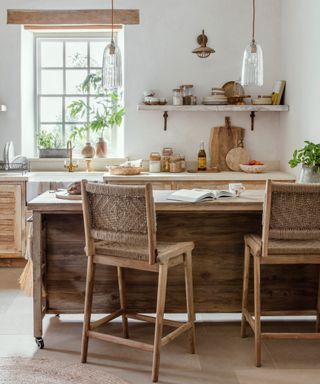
(309, 158)
(50, 145)
(105, 112)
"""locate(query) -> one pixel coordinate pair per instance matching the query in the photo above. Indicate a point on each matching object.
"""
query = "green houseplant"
(105, 113)
(309, 158)
(50, 145)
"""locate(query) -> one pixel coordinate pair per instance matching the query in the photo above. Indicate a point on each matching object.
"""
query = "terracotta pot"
(101, 148)
(88, 151)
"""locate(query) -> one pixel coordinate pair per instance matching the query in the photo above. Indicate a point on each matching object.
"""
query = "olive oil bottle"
(202, 158)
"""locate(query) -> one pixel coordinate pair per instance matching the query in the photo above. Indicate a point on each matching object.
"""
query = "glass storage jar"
(177, 97)
(187, 93)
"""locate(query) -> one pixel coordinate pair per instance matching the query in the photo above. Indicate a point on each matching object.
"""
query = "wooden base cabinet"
(12, 221)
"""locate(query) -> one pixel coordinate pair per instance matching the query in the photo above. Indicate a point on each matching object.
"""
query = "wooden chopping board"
(237, 156)
(222, 140)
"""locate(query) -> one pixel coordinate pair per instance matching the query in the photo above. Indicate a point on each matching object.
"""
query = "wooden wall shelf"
(213, 108)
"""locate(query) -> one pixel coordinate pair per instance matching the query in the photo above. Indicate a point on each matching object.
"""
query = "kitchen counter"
(205, 176)
(217, 229)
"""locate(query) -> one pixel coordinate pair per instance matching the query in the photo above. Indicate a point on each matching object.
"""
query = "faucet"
(71, 167)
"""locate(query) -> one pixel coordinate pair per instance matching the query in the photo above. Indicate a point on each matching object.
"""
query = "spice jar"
(187, 92)
(177, 97)
(183, 163)
(155, 162)
(175, 165)
(165, 160)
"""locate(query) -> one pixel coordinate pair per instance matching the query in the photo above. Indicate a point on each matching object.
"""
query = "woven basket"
(124, 170)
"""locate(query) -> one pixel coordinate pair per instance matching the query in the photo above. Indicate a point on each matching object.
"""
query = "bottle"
(202, 158)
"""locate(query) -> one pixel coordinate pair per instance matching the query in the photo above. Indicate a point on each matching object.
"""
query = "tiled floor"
(222, 356)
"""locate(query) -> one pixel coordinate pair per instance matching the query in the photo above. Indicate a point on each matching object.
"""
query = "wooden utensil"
(237, 156)
(222, 140)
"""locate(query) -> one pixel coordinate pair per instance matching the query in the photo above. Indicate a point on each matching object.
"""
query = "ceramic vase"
(101, 148)
(88, 151)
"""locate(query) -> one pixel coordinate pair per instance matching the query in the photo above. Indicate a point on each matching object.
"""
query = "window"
(63, 64)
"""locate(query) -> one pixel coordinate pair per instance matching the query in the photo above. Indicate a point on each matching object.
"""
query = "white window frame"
(66, 37)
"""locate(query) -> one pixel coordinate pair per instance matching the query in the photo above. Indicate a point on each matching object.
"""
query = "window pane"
(79, 118)
(50, 109)
(78, 142)
(56, 130)
(51, 81)
(77, 54)
(96, 53)
(52, 54)
(74, 80)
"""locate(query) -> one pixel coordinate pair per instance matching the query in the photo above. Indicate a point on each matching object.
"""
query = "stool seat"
(165, 251)
(283, 247)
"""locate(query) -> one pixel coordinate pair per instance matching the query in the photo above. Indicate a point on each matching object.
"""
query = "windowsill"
(56, 164)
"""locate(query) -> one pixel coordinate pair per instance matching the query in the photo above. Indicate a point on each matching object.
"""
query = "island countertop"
(249, 201)
(203, 176)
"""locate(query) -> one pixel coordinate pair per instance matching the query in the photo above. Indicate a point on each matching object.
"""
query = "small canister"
(187, 92)
(177, 97)
(165, 160)
(175, 164)
(155, 162)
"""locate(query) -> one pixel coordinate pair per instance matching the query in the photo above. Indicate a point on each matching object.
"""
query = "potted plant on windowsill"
(105, 113)
(309, 158)
(50, 145)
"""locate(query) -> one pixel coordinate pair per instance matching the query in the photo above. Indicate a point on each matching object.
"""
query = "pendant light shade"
(252, 66)
(112, 63)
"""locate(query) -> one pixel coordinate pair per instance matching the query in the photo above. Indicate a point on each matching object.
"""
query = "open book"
(195, 195)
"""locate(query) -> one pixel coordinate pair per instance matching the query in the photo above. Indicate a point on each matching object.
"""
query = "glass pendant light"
(252, 66)
(112, 63)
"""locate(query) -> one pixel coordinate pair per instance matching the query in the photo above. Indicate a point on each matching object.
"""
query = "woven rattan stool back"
(291, 212)
(123, 216)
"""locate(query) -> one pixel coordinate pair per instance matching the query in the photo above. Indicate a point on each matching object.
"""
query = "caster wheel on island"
(39, 342)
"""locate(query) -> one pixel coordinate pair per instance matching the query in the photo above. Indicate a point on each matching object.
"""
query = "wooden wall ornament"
(72, 17)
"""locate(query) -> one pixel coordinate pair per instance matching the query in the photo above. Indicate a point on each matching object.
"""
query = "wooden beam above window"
(85, 17)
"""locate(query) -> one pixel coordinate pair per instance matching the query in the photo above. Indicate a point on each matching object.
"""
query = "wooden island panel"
(217, 268)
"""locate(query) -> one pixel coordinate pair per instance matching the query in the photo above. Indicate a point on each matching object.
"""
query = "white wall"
(300, 63)
(158, 56)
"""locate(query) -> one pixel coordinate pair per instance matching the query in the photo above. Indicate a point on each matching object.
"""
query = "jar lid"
(167, 151)
(186, 86)
(155, 156)
(176, 90)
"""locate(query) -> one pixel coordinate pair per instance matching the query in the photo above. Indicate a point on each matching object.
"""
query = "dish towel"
(26, 278)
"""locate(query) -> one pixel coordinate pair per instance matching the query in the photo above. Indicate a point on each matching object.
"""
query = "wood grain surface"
(217, 268)
(222, 140)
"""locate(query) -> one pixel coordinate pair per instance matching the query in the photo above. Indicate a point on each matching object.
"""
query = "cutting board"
(237, 156)
(222, 140)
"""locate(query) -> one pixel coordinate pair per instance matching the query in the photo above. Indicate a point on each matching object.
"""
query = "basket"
(124, 170)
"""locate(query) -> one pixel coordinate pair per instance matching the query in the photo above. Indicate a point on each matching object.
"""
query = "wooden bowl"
(252, 168)
(125, 170)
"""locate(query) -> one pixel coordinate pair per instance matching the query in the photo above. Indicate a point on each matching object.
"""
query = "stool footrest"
(150, 319)
(291, 335)
(106, 319)
(174, 334)
(119, 340)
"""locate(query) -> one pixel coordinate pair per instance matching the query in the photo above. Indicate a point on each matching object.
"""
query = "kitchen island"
(216, 227)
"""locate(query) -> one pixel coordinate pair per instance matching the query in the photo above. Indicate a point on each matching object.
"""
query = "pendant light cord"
(253, 19)
(112, 26)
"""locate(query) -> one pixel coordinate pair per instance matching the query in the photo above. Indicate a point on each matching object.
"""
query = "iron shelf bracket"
(252, 116)
(165, 120)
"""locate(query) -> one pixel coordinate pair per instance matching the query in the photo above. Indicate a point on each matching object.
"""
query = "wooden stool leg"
(257, 311)
(245, 289)
(87, 309)
(123, 304)
(318, 304)
(161, 300)
(190, 300)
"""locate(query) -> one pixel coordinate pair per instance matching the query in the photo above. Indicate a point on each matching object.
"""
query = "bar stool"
(290, 235)
(120, 231)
